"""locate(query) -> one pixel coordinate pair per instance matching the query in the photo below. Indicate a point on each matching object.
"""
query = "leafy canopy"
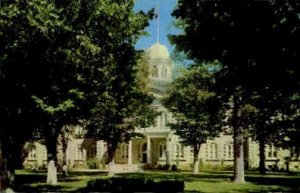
(194, 105)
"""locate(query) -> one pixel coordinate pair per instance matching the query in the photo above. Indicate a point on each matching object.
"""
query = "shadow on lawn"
(291, 182)
(24, 183)
(285, 182)
(35, 182)
(180, 176)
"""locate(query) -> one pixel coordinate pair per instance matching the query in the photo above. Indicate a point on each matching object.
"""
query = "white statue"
(51, 173)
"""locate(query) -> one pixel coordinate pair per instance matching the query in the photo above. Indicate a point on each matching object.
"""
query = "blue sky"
(166, 23)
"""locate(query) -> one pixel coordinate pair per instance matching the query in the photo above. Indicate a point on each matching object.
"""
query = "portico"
(153, 149)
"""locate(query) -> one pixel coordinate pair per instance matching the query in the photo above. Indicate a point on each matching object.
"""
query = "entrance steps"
(126, 168)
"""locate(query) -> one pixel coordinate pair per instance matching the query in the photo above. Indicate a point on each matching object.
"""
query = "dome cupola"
(158, 51)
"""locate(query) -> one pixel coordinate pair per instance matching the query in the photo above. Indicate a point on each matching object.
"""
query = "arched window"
(162, 149)
(79, 152)
(228, 151)
(124, 151)
(212, 151)
(180, 150)
(158, 122)
(92, 151)
(162, 120)
(271, 151)
(32, 154)
(44, 152)
(166, 118)
(155, 71)
(164, 72)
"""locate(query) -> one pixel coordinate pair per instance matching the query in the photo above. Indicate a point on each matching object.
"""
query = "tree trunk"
(246, 153)
(111, 150)
(3, 169)
(262, 156)
(239, 170)
(196, 158)
(64, 144)
(51, 145)
(64, 150)
(10, 158)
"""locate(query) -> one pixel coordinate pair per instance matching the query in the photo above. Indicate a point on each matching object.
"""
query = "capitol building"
(159, 146)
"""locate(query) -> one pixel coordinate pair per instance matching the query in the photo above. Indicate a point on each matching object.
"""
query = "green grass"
(208, 182)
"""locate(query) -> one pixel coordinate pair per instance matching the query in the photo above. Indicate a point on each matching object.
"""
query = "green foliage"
(94, 163)
(60, 61)
(255, 43)
(125, 104)
(195, 106)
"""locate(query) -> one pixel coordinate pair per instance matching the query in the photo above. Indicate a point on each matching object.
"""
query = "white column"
(148, 150)
(130, 152)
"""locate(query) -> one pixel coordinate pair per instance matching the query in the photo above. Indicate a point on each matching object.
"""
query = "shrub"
(130, 185)
(30, 166)
(94, 163)
(216, 167)
(147, 167)
(79, 165)
(163, 167)
(174, 168)
(103, 185)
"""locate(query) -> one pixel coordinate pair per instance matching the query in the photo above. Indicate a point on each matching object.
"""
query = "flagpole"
(157, 35)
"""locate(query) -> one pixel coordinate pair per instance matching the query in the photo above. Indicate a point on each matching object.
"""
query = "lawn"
(217, 181)
(35, 181)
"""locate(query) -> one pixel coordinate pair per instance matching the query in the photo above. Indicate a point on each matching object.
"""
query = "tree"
(237, 34)
(263, 120)
(58, 58)
(287, 125)
(124, 106)
(26, 30)
(195, 106)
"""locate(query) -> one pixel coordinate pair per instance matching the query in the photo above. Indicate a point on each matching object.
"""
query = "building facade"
(160, 146)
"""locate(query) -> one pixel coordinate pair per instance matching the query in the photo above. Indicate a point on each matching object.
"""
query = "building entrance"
(144, 153)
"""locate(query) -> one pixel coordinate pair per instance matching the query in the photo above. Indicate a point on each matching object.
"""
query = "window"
(165, 119)
(164, 72)
(44, 153)
(155, 71)
(158, 122)
(124, 151)
(92, 151)
(211, 151)
(161, 120)
(271, 151)
(79, 152)
(228, 151)
(181, 151)
(162, 150)
(32, 154)
(37, 134)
